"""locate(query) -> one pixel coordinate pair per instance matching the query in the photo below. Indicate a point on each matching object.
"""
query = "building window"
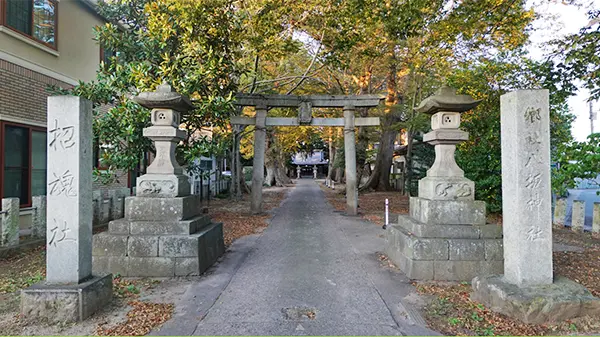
(23, 170)
(36, 19)
(100, 155)
(206, 165)
(106, 57)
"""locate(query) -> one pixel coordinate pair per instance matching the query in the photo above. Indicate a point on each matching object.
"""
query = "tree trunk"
(281, 177)
(380, 178)
(270, 178)
(339, 171)
(408, 165)
(270, 159)
(363, 139)
(275, 164)
(234, 175)
(238, 181)
(330, 174)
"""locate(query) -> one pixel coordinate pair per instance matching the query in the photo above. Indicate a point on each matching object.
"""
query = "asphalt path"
(313, 271)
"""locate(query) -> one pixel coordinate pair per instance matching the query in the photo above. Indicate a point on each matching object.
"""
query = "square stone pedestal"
(66, 302)
(159, 237)
(562, 300)
(445, 240)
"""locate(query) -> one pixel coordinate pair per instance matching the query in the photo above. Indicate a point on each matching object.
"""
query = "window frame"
(4, 23)
(97, 154)
(30, 129)
(102, 55)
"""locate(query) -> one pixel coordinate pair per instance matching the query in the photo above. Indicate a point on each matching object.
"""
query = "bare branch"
(309, 66)
(255, 73)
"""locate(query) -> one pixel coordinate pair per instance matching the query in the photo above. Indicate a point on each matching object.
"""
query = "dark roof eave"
(92, 6)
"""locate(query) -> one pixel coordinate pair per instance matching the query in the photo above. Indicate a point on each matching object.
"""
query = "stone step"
(422, 248)
(488, 231)
(158, 255)
(439, 258)
(169, 209)
(447, 212)
(140, 227)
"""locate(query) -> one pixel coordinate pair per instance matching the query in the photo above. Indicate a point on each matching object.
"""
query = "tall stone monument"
(527, 290)
(164, 231)
(70, 292)
(445, 235)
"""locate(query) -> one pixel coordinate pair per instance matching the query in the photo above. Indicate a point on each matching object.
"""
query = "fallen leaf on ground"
(140, 320)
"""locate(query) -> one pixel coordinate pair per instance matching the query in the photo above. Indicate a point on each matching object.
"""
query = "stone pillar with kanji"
(71, 292)
(528, 290)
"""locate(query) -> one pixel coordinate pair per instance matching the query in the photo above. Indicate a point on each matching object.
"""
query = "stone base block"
(66, 303)
(562, 300)
(183, 227)
(445, 252)
(447, 212)
(162, 209)
(163, 185)
(158, 255)
(488, 231)
(446, 188)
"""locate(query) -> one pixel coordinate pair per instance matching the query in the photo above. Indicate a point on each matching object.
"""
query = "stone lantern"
(445, 235)
(164, 232)
(445, 180)
(164, 177)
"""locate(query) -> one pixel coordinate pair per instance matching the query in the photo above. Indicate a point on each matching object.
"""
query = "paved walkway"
(309, 259)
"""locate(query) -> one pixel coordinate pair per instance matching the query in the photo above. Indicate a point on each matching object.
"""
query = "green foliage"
(191, 44)
(339, 160)
(580, 54)
(577, 160)
(423, 158)
(454, 321)
(480, 157)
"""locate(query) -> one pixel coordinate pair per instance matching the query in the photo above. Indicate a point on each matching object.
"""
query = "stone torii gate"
(305, 104)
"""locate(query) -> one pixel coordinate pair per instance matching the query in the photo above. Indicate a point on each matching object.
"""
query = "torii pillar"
(350, 161)
(304, 105)
(258, 176)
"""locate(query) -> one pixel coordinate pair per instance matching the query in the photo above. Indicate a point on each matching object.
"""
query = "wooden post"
(350, 159)
(258, 176)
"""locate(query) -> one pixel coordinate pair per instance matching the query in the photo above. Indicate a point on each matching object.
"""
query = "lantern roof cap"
(165, 97)
(446, 99)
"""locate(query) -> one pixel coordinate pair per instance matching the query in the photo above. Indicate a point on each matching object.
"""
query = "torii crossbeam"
(305, 104)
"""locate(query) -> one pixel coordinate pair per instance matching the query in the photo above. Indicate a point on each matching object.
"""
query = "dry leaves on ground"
(384, 261)
(236, 225)
(453, 313)
(22, 270)
(567, 236)
(236, 218)
(140, 320)
(371, 205)
(131, 288)
(581, 267)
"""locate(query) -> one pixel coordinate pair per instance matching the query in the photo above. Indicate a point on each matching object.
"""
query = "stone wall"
(107, 205)
(578, 215)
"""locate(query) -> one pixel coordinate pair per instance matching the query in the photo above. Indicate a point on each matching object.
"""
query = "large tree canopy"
(580, 55)
(192, 44)
(210, 49)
